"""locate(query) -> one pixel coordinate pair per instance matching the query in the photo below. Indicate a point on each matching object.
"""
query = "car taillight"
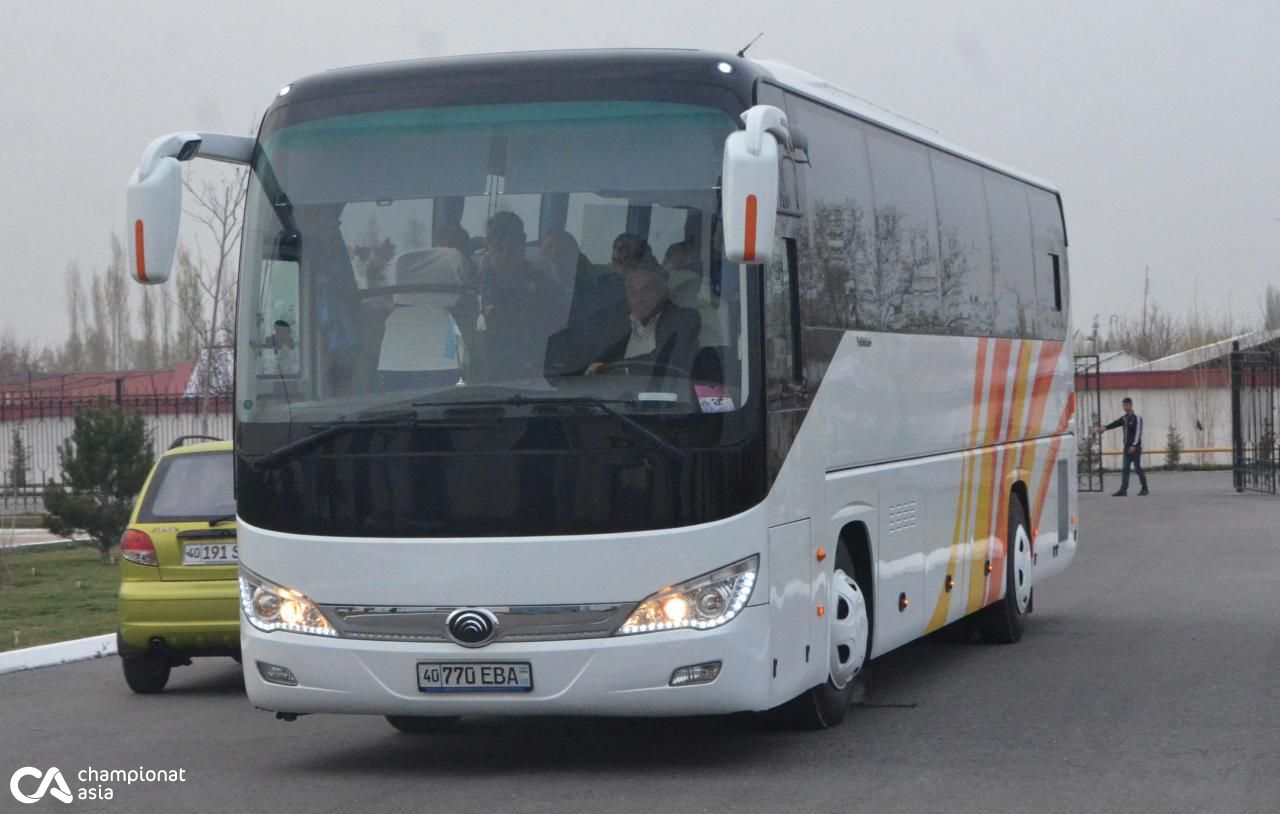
(135, 546)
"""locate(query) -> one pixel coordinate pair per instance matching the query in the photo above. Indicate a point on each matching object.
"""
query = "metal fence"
(1255, 457)
(1089, 465)
(43, 424)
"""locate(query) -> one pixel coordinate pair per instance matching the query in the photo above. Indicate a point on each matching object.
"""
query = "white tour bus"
(626, 383)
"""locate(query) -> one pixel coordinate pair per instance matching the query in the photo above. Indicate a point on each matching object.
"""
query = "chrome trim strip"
(524, 623)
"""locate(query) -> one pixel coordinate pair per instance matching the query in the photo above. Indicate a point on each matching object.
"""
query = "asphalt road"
(1146, 682)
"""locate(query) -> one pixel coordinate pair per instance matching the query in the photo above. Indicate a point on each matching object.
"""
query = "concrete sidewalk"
(47, 655)
(21, 538)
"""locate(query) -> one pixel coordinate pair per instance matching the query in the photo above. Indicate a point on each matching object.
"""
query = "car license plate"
(210, 554)
(475, 676)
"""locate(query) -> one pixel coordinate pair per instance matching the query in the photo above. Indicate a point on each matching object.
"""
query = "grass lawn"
(47, 606)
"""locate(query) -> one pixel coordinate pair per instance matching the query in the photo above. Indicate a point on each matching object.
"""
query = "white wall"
(43, 436)
(1179, 407)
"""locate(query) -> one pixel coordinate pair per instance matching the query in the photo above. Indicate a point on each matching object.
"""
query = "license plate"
(475, 676)
(210, 554)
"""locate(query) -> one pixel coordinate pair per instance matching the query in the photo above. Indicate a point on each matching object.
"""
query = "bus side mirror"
(153, 204)
(154, 207)
(749, 185)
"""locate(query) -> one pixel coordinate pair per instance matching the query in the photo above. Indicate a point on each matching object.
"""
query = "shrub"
(104, 464)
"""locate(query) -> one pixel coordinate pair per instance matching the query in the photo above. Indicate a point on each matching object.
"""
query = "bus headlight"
(704, 602)
(269, 607)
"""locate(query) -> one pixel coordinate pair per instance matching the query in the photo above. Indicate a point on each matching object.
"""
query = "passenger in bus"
(516, 305)
(573, 274)
(629, 252)
(683, 264)
(657, 331)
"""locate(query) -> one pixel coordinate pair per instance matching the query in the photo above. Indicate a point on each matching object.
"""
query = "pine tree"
(1172, 448)
(17, 462)
(104, 464)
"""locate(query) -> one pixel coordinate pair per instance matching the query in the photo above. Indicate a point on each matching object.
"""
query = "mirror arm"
(763, 119)
(187, 145)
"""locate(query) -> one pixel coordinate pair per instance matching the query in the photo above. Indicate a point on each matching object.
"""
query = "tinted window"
(903, 295)
(191, 487)
(1011, 258)
(837, 261)
(965, 235)
(1051, 276)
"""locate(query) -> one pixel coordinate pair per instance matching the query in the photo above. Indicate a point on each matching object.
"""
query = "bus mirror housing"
(153, 204)
(749, 184)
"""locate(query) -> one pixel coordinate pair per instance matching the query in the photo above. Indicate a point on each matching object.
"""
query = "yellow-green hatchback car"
(179, 596)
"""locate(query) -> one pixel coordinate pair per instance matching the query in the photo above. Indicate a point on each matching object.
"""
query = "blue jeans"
(1133, 459)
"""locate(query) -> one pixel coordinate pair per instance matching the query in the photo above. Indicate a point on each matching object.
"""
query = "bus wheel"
(1003, 622)
(416, 725)
(849, 630)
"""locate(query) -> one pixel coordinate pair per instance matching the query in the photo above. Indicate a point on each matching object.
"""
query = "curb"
(48, 655)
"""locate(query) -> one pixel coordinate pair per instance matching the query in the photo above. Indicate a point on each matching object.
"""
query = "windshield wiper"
(223, 519)
(293, 449)
(600, 404)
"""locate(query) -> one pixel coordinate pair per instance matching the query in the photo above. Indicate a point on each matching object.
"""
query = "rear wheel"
(1003, 622)
(826, 705)
(147, 673)
(415, 725)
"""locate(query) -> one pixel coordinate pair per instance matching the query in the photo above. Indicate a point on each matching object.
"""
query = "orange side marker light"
(822, 554)
(822, 610)
(139, 251)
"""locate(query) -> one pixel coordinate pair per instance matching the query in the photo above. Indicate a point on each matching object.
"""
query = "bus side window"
(783, 371)
(278, 337)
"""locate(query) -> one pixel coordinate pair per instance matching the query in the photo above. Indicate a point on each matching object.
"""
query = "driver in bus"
(658, 333)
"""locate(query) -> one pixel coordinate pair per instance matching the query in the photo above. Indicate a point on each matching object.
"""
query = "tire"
(1003, 622)
(415, 725)
(146, 674)
(826, 705)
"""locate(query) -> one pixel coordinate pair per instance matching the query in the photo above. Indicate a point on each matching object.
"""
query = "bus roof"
(809, 85)
(618, 63)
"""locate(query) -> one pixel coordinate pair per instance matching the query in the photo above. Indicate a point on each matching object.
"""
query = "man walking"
(1132, 424)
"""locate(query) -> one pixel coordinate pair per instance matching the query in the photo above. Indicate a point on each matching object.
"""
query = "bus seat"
(420, 333)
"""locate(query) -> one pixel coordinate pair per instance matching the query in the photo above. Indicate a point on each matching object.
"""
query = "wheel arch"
(855, 539)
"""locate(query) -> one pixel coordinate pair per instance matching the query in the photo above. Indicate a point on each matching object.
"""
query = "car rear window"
(194, 486)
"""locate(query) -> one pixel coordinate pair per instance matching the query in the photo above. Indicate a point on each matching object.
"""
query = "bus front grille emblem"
(472, 627)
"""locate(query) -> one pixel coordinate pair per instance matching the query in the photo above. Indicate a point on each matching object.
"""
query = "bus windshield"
(505, 253)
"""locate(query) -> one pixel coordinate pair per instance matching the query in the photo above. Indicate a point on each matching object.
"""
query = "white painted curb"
(47, 655)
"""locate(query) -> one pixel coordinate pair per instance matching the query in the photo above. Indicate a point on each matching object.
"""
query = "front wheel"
(826, 705)
(1003, 622)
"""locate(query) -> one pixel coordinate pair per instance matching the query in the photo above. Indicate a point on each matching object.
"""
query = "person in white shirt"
(658, 332)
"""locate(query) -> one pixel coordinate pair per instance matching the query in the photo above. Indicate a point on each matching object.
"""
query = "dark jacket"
(675, 340)
(1132, 424)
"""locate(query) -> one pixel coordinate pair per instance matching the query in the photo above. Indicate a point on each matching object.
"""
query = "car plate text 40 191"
(473, 676)
(210, 554)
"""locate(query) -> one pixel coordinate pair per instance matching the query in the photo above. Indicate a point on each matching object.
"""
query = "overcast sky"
(1158, 120)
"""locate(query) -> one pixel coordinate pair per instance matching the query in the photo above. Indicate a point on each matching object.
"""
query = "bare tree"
(98, 339)
(116, 288)
(1271, 308)
(73, 354)
(209, 270)
(147, 350)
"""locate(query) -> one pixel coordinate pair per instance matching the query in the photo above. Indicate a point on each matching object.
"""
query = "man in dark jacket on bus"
(1132, 424)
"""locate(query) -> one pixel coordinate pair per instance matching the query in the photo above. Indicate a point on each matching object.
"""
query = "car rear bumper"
(190, 616)
(626, 675)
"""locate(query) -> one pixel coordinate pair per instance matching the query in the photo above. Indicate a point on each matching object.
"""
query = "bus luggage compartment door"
(791, 611)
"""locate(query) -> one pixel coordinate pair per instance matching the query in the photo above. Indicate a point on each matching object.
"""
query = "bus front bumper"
(624, 675)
